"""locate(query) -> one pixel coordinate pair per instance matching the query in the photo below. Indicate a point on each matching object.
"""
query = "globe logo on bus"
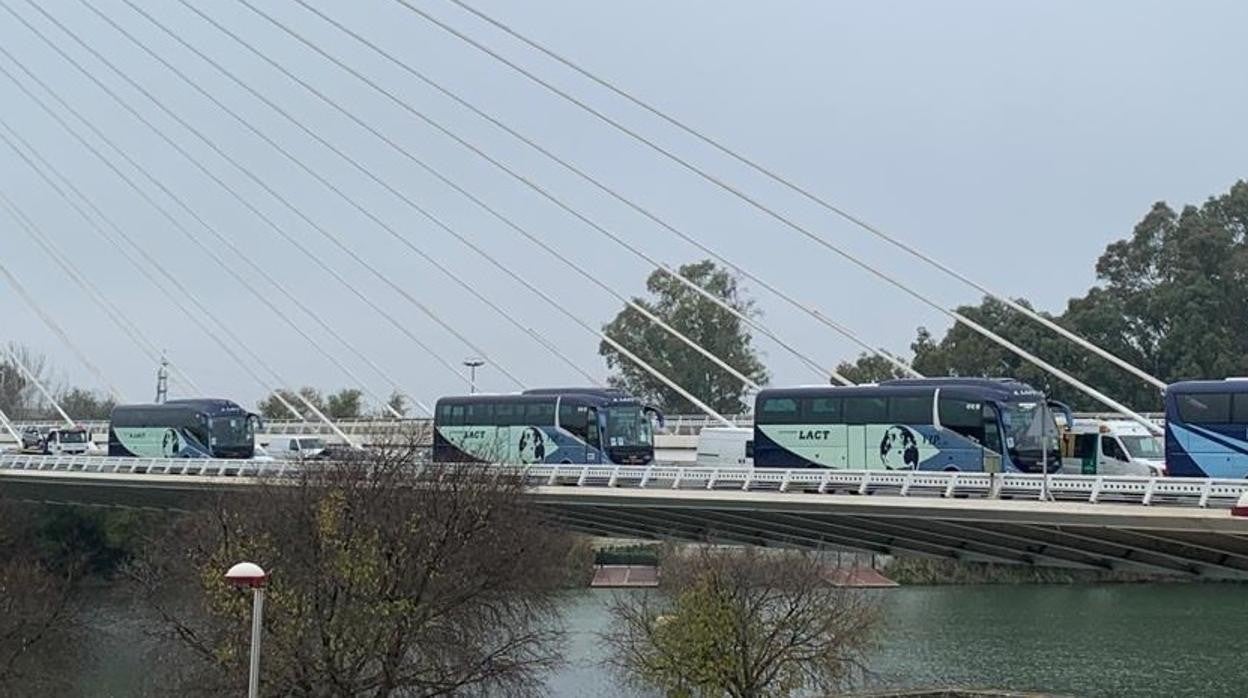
(899, 449)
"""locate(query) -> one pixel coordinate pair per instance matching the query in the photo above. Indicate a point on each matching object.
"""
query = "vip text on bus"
(945, 424)
(549, 425)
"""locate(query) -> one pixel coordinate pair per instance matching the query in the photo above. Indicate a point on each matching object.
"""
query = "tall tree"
(704, 322)
(869, 368)
(84, 404)
(347, 403)
(1171, 299)
(272, 408)
(387, 580)
(19, 397)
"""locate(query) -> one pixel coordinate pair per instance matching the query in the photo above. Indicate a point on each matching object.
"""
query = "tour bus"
(946, 424)
(195, 428)
(1207, 428)
(549, 425)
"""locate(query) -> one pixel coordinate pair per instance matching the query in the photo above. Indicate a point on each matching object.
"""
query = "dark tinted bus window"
(824, 410)
(779, 410)
(866, 410)
(1239, 414)
(573, 418)
(444, 414)
(1205, 408)
(539, 413)
(457, 416)
(506, 415)
(478, 415)
(910, 410)
(959, 413)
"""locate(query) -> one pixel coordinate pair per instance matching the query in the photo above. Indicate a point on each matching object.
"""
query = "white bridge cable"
(224, 328)
(419, 305)
(452, 95)
(43, 389)
(510, 317)
(149, 263)
(53, 325)
(276, 284)
(116, 314)
(749, 383)
(810, 196)
(229, 270)
(519, 278)
(752, 322)
(8, 426)
(790, 223)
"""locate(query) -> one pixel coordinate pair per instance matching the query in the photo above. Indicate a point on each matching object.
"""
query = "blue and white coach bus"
(1207, 428)
(549, 425)
(193, 428)
(946, 424)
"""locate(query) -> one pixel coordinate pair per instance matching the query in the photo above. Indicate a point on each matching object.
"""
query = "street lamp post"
(248, 575)
(473, 364)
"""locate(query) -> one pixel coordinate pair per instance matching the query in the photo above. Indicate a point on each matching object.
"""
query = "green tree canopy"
(1172, 299)
(712, 327)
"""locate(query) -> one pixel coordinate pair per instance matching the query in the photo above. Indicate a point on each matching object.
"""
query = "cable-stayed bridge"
(1178, 527)
(137, 66)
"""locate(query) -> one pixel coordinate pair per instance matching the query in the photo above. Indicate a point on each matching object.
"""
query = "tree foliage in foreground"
(1172, 299)
(39, 629)
(743, 623)
(704, 322)
(385, 582)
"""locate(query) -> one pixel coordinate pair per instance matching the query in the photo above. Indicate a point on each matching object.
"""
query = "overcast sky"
(1012, 140)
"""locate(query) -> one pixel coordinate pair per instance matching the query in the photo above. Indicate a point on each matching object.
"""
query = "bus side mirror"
(656, 415)
(1064, 410)
(936, 410)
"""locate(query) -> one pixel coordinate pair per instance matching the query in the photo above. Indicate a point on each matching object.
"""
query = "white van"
(1112, 447)
(725, 447)
(294, 447)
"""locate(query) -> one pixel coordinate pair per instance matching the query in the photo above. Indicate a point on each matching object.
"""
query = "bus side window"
(572, 418)
(992, 435)
(962, 417)
(591, 430)
(457, 416)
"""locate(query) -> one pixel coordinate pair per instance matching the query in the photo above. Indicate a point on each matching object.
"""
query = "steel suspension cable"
(790, 223)
(217, 235)
(316, 259)
(77, 39)
(623, 350)
(43, 390)
(116, 314)
(452, 95)
(752, 322)
(749, 383)
(53, 325)
(814, 198)
(144, 268)
(264, 365)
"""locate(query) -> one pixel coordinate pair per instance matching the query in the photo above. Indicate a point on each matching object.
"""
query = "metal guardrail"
(1181, 492)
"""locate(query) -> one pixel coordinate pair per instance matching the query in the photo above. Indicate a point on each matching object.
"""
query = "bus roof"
(575, 396)
(602, 393)
(207, 405)
(1227, 385)
(1003, 389)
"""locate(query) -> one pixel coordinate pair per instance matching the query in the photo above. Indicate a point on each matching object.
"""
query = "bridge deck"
(1169, 526)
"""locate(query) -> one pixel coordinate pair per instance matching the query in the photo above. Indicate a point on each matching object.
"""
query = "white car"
(294, 447)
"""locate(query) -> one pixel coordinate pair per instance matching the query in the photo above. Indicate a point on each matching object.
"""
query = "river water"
(1111, 640)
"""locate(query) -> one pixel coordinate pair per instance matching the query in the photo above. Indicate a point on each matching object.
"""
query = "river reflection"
(1120, 640)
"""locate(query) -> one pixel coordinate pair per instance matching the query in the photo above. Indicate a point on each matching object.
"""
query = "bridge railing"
(1181, 492)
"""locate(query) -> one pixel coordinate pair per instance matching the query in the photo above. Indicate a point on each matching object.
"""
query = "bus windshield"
(1026, 431)
(628, 426)
(232, 431)
(1146, 447)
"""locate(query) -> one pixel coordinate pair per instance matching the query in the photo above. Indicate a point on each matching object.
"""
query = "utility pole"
(162, 381)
